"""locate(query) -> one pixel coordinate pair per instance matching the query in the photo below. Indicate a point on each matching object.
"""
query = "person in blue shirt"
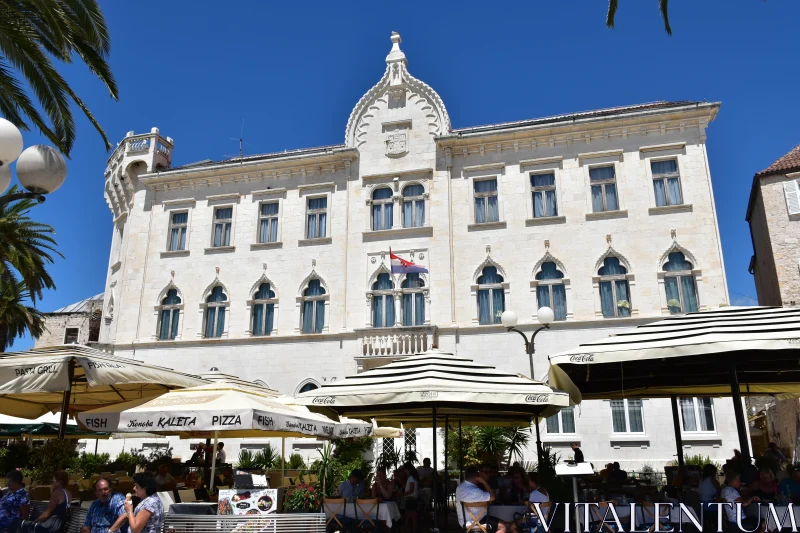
(16, 504)
(791, 486)
(353, 487)
(105, 510)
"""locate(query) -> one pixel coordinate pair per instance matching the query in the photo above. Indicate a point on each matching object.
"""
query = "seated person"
(538, 494)
(489, 474)
(51, 519)
(617, 474)
(516, 492)
(383, 488)
(105, 510)
(604, 473)
(730, 493)
(353, 487)
(791, 486)
(476, 488)
(765, 487)
(15, 505)
(164, 479)
(197, 456)
(227, 477)
(709, 486)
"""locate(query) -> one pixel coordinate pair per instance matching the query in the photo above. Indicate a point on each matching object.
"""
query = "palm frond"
(663, 6)
(612, 12)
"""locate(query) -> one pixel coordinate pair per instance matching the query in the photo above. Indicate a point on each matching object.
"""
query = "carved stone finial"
(396, 55)
(172, 274)
(673, 233)
(488, 248)
(313, 263)
(608, 238)
(547, 244)
(217, 269)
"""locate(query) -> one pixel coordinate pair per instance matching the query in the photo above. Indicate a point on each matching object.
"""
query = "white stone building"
(582, 210)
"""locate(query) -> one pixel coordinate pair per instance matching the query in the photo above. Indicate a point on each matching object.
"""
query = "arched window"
(614, 291)
(413, 206)
(169, 316)
(680, 285)
(382, 209)
(491, 297)
(263, 310)
(314, 307)
(413, 302)
(383, 302)
(550, 291)
(215, 313)
(308, 387)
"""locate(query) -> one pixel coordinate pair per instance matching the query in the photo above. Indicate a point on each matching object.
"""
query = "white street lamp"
(40, 169)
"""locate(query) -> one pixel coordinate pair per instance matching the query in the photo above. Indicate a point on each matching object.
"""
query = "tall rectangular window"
(697, 415)
(543, 189)
(486, 201)
(178, 223)
(268, 222)
(317, 218)
(666, 182)
(627, 416)
(604, 189)
(562, 422)
(223, 222)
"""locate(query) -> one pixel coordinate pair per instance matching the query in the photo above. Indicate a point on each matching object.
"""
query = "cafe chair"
(598, 514)
(166, 500)
(473, 513)
(535, 519)
(335, 510)
(649, 517)
(367, 513)
(187, 496)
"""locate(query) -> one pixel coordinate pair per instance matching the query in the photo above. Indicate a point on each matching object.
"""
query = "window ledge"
(700, 437)
(314, 242)
(541, 221)
(604, 215)
(664, 209)
(116, 266)
(632, 440)
(266, 245)
(418, 231)
(174, 253)
(566, 438)
(501, 224)
(219, 249)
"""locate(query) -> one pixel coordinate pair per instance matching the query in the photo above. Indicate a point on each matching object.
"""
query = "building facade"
(78, 323)
(276, 267)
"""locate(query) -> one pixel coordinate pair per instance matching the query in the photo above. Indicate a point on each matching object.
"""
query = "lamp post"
(545, 316)
(40, 169)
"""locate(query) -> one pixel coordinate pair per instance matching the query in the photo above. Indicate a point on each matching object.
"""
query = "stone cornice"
(488, 166)
(541, 161)
(662, 147)
(389, 175)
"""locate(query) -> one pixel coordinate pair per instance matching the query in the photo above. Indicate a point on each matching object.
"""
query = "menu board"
(247, 501)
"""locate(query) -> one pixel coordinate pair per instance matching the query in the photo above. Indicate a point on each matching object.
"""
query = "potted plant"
(302, 498)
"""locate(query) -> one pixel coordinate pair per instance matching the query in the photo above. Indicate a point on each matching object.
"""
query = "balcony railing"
(397, 342)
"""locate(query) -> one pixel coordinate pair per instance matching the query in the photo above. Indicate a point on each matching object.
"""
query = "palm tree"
(31, 33)
(16, 316)
(25, 247)
(663, 6)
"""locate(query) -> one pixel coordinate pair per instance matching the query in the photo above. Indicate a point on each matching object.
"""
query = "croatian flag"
(403, 266)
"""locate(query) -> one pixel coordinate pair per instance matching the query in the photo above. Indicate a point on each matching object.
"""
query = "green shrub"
(296, 461)
(246, 460)
(129, 461)
(13, 457)
(87, 464)
(53, 455)
(266, 458)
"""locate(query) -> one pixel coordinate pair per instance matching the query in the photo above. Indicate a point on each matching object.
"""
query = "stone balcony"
(379, 346)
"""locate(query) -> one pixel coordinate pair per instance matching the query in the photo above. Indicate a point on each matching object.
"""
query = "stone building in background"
(276, 267)
(773, 213)
(78, 323)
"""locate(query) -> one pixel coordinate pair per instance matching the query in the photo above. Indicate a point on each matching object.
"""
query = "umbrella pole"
(538, 444)
(446, 479)
(435, 526)
(738, 411)
(213, 462)
(676, 423)
(62, 426)
(283, 461)
(460, 455)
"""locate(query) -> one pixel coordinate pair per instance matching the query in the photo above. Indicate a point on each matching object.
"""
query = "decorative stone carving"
(397, 143)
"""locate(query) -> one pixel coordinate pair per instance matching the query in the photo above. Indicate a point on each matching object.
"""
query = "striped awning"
(691, 354)
(407, 390)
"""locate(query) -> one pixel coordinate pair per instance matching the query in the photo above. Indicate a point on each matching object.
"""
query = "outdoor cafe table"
(507, 513)
(387, 512)
(676, 514)
(200, 508)
(752, 510)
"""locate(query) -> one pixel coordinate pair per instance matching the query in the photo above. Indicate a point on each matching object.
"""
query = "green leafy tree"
(663, 7)
(53, 455)
(296, 462)
(26, 247)
(16, 316)
(90, 463)
(34, 33)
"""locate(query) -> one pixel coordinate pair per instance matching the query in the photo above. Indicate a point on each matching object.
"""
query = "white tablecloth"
(387, 512)
(506, 512)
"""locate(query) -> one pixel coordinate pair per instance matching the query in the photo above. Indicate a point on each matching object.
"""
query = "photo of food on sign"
(247, 502)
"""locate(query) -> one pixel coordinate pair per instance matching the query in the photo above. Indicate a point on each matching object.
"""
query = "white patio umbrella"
(232, 410)
(730, 350)
(419, 389)
(75, 378)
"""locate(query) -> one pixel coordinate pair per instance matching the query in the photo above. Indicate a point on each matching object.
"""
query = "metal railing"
(273, 523)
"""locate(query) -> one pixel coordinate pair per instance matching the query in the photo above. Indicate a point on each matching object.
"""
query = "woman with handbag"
(52, 519)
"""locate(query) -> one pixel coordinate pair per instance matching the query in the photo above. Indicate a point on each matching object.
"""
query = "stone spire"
(396, 55)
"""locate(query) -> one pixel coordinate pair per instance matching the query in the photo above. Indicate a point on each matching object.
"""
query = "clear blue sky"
(294, 72)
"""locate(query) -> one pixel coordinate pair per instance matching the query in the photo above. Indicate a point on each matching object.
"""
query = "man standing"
(105, 510)
(425, 473)
(476, 489)
(578, 458)
(221, 453)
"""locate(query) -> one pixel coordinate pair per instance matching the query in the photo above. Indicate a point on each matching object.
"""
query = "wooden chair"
(540, 518)
(334, 509)
(187, 496)
(86, 504)
(367, 511)
(41, 493)
(472, 521)
(166, 500)
(650, 520)
(598, 514)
